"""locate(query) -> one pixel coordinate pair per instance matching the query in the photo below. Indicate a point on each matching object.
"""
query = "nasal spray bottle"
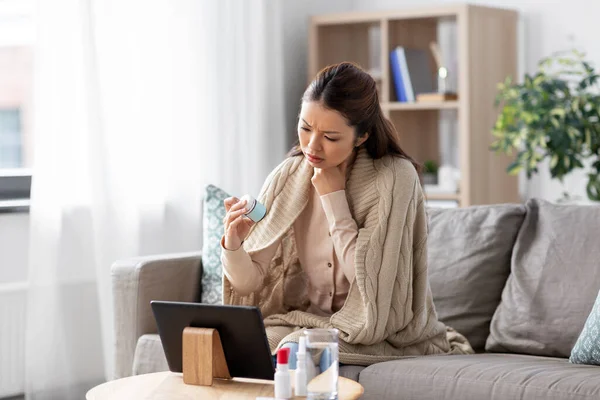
(300, 378)
(283, 384)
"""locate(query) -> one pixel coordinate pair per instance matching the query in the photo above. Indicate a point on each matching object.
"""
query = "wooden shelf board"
(443, 196)
(433, 105)
(359, 17)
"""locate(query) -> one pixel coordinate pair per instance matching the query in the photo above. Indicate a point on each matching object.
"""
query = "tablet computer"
(241, 330)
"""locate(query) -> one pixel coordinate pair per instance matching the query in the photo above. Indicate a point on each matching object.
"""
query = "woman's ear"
(362, 139)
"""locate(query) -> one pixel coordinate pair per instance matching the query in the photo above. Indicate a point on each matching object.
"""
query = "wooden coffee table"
(169, 385)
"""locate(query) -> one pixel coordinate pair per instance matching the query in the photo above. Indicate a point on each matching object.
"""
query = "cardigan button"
(329, 265)
(330, 294)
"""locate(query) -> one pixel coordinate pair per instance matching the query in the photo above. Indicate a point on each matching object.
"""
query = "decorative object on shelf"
(442, 93)
(430, 172)
(444, 192)
(553, 114)
(448, 178)
(442, 70)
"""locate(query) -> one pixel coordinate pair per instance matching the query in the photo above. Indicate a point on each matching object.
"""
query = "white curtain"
(138, 105)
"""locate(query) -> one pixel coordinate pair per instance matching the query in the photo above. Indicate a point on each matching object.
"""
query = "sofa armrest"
(137, 281)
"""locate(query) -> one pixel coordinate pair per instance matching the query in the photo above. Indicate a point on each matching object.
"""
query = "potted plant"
(555, 115)
(430, 172)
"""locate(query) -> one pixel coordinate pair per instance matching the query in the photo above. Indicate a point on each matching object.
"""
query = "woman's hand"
(236, 225)
(330, 180)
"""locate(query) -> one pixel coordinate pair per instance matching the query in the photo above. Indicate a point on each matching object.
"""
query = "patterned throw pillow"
(212, 226)
(587, 348)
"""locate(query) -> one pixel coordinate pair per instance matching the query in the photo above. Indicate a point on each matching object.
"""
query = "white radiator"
(12, 338)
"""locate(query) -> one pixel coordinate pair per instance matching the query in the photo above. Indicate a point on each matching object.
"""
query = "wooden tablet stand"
(203, 358)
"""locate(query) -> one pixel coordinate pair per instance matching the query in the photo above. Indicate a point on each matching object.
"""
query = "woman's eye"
(330, 139)
(305, 129)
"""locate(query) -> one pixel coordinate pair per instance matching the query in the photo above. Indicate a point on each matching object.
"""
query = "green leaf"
(514, 168)
(593, 187)
(572, 132)
(588, 138)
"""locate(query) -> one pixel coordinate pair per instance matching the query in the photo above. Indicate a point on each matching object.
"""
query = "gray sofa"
(518, 280)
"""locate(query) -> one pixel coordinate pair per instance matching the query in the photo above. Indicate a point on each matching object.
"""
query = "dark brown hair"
(349, 90)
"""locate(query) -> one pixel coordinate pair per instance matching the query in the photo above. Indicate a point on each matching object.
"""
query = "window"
(16, 84)
(11, 146)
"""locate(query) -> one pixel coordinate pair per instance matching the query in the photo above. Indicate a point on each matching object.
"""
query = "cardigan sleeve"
(343, 229)
(246, 273)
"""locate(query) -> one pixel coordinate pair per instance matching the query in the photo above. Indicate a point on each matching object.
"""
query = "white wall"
(296, 16)
(548, 26)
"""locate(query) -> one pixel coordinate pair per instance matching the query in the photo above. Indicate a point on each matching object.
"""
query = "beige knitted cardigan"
(389, 312)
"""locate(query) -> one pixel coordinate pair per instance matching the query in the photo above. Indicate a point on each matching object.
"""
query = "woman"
(343, 244)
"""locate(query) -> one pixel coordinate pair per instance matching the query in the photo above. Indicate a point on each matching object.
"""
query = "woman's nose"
(314, 143)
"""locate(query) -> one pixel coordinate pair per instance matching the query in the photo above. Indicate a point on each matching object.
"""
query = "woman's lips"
(313, 159)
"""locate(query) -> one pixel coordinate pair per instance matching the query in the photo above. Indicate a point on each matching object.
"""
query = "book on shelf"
(397, 74)
(412, 73)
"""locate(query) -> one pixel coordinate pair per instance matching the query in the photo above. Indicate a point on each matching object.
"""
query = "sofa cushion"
(212, 230)
(553, 283)
(351, 371)
(469, 253)
(149, 355)
(587, 347)
(480, 376)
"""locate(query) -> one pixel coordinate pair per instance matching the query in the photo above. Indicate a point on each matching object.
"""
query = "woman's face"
(325, 136)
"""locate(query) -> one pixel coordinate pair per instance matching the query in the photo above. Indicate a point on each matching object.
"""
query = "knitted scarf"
(389, 311)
